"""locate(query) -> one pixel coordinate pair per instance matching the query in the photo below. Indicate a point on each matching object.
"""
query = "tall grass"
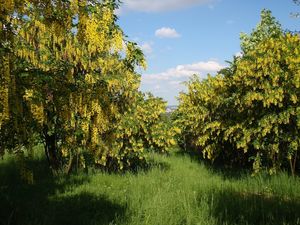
(175, 190)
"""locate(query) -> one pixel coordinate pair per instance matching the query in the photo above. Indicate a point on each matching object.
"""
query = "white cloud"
(176, 84)
(146, 47)
(166, 32)
(161, 5)
(185, 71)
(168, 84)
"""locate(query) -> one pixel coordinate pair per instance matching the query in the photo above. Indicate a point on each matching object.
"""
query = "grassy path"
(176, 190)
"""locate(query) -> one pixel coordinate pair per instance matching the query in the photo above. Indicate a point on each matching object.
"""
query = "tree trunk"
(292, 167)
(70, 165)
(51, 151)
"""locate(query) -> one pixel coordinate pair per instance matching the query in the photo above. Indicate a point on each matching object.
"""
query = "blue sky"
(183, 37)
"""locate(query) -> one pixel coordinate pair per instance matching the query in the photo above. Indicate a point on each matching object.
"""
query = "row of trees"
(68, 80)
(249, 113)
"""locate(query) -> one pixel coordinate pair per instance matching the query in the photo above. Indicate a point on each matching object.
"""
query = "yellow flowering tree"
(68, 80)
(142, 128)
(267, 87)
(8, 98)
(249, 112)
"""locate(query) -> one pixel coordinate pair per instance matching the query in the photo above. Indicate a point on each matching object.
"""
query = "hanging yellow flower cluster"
(249, 111)
(4, 90)
(76, 82)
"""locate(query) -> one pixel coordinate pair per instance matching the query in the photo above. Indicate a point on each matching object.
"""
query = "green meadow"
(174, 189)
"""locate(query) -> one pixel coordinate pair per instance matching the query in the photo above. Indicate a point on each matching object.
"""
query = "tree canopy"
(68, 81)
(249, 112)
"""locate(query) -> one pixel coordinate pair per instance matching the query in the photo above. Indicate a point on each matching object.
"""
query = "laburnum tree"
(67, 80)
(144, 127)
(249, 112)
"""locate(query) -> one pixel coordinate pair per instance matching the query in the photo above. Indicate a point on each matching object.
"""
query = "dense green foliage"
(250, 111)
(176, 190)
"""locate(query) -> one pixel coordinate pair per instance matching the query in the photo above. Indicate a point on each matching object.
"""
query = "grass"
(175, 190)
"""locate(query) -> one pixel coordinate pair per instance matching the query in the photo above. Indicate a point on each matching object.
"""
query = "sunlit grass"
(175, 190)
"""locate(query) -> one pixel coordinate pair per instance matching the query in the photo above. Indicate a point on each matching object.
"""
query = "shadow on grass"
(192, 154)
(153, 164)
(226, 172)
(46, 201)
(230, 207)
(134, 169)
